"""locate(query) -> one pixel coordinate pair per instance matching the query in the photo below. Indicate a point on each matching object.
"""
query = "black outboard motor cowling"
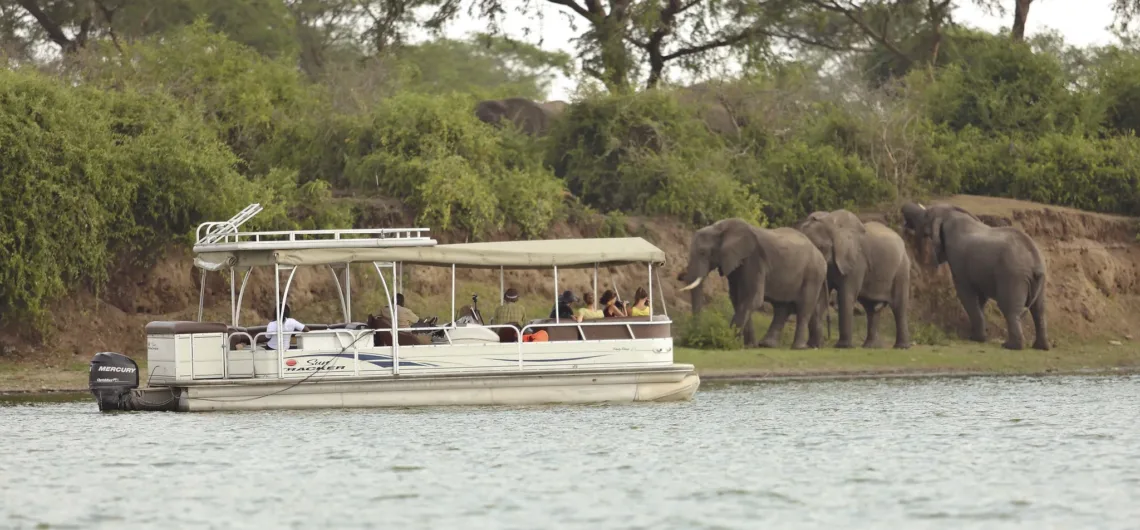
(112, 377)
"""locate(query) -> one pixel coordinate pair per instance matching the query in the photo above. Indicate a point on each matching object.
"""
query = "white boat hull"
(673, 383)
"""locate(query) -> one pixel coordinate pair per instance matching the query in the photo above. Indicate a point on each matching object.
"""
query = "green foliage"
(711, 329)
(645, 153)
(490, 66)
(89, 174)
(456, 170)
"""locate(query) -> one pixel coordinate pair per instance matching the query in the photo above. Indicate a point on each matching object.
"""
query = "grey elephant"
(866, 263)
(530, 116)
(998, 263)
(779, 265)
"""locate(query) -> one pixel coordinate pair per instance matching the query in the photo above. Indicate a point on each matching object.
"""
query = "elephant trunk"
(698, 297)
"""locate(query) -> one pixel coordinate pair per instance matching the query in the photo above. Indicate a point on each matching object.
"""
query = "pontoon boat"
(203, 366)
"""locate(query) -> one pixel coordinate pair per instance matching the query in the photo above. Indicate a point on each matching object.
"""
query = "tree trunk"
(1020, 15)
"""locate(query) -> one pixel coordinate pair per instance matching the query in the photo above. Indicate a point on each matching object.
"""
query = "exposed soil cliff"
(1093, 286)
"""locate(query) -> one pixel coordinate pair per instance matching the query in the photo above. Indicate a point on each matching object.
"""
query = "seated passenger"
(640, 304)
(610, 308)
(289, 326)
(404, 316)
(589, 311)
(510, 312)
(563, 309)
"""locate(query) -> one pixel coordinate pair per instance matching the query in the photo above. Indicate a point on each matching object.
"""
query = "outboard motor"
(112, 377)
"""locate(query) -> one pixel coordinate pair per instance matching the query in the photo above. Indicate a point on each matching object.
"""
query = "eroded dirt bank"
(1093, 287)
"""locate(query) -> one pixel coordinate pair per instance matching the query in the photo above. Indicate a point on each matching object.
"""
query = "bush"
(711, 329)
(89, 174)
(645, 153)
(457, 171)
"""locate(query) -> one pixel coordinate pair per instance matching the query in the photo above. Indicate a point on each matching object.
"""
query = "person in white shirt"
(290, 325)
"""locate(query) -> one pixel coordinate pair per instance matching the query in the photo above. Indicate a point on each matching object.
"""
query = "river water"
(1058, 452)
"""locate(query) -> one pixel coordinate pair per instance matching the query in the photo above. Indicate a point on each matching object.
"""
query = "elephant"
(778, 265)
(999, 263)
(866, 263)
(530, 116)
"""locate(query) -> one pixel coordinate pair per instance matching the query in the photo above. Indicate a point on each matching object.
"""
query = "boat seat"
(610, 329)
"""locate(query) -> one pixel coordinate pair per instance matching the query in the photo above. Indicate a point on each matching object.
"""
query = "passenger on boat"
(510, 312)
(563, 309)
(590, 310)
(404, 316)
(640, 303)
(610, 309)
(289, 326)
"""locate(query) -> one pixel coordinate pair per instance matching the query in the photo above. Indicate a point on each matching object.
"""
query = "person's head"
(567, 298)
(640, 296)
(284, 311)
(608, 297)
(400, 299)
(588, 298)
(511, 296)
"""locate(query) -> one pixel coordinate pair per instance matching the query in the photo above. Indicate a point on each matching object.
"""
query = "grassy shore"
(954, 358)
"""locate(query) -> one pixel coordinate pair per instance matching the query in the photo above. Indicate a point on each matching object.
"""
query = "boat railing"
(211, 238)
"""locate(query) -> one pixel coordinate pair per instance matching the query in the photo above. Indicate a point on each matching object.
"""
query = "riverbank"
(952, 359)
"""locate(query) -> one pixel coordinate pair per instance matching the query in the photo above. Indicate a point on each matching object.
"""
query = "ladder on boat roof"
(224, 236)
(217, 231)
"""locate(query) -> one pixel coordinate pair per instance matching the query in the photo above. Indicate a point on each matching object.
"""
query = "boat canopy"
(546, 253)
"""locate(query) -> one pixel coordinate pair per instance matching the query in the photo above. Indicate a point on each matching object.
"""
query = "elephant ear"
(736, 244)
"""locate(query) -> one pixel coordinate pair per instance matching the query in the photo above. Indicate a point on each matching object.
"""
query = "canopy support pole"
(282, 346)
(502, 292)
(661, 288)
(650, 290)
(595, 283)
(347, 292)
(241, 294)
(233, 299)
(339, 292)
(453, 293)
(277, 300)
(201, 294)
(556, 311)
(390, 297)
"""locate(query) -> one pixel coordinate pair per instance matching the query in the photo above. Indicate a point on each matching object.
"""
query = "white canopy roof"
(546, 253)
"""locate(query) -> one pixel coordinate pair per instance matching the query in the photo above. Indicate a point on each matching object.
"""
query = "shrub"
(645, 153)
(89, 174)
(711, 329)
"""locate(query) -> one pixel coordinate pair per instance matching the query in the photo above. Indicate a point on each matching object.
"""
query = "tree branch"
(51, 27)
(849, 14)
(572, 4)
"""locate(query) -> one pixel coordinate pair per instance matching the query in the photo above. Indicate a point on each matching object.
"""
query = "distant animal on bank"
(779, 265)
(999, 263)
(528, 115)
(866, 263)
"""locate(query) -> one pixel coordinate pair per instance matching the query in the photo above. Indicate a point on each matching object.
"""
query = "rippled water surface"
(981, 453)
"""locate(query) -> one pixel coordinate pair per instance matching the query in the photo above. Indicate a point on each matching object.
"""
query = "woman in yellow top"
(640, 303)
(589, 310)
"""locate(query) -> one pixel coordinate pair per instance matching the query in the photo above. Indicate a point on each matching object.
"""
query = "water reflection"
(985, 452)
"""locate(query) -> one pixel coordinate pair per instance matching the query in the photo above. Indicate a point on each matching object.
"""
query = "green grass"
(963, 357)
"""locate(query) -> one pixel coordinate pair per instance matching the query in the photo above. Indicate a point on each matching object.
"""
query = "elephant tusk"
(692, 285)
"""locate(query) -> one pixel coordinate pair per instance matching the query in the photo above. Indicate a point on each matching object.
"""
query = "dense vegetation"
(126, 141)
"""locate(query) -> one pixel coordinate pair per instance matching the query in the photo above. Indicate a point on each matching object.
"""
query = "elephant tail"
(1036, 287)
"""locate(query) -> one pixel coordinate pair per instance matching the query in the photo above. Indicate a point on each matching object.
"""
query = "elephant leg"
(741, 318)
(749, 330)
(780, 311)
(815, 331)
(899, 304)
(973, 305)
(1011, 300)
(807, 304)
(1037, 310)
(873, 310)
(846, 310)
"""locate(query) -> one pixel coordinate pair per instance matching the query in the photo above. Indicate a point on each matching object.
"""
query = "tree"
(483, 63)
(623, 35)
(1020, 15)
